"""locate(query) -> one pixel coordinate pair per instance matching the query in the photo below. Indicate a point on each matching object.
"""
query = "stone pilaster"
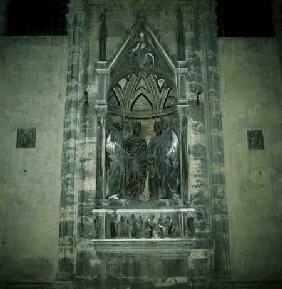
(182, 108)
(101, 110)
(75, 95)
(220, 228)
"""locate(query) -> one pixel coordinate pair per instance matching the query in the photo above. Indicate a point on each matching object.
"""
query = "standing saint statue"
(115, 162)
(136, 163)
(163, 162)
(155, 162)
(170, 164)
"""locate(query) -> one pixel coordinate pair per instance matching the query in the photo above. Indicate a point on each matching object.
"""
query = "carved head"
(136, 128)
(118, 126)
(158, 127)
(142, 36)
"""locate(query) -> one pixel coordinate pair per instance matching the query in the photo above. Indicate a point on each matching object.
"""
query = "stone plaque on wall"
(26, 137)
(255, 139)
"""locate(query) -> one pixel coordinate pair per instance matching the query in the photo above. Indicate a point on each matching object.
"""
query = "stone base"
(139, 204)
(170, 283)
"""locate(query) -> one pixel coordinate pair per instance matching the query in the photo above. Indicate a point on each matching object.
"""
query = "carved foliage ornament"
(142, 96)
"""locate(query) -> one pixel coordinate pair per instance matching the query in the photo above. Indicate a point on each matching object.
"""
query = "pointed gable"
(142, 76)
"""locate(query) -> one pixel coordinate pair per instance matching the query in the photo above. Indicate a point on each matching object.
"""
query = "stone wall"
(32, 90)
(32, 81)
(197, 84)
(251, 99)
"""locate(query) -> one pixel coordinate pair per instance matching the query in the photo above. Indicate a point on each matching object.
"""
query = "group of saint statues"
(144, 226)
(132, 226)
(130, 161)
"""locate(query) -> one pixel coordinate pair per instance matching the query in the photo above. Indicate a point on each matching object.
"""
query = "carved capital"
(182, 107)
(103, 71)
(181, 65)
(181, 71)
(101, 108)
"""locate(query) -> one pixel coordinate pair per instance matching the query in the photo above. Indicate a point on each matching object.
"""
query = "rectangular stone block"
(216, 121)
(86, 196)
(66, 265)
(66, 228)
(217, 191)
(67, 199)
(217, 178)
(198, 151)
(218, 157)
(219, 206)
(220, 223)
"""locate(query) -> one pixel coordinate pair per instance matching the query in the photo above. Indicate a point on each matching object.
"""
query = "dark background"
(236, 18)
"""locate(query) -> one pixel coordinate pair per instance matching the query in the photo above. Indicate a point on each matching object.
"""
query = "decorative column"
(182, 108)
(101, 110)
(101, 113)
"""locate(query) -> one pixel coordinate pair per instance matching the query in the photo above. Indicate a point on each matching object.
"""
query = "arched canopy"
(142, 81)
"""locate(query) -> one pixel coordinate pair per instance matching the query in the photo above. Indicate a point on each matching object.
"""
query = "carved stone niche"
(144, 224)
(141, 214)
(142, 145)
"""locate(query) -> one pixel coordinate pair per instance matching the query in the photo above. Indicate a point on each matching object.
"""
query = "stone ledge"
(56, 285)
(225, 284)
(218, 284)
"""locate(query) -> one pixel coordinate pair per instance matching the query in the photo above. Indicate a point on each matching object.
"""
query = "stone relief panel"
(26, 137)
(138, 143)
(143, 224)
(255, 139)
(142, 52)
(142, 126)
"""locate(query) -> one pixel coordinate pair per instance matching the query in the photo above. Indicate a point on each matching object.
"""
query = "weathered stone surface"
(32, 89)
(249, 179)
(250, 90)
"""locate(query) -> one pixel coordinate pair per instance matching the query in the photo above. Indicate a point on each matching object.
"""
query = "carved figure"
(135, 227)
(97, 226)
(114, 226)
(123, 227)
(141, 227)
(115, 162)
(150, 227)
(171, 227)
(170, 165)
(190, 226)
(155, 159)
(163, 162)
(161, 228)
(136, 163)
(143, 53)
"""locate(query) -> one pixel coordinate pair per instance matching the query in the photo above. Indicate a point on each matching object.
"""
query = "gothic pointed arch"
(142, 77)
